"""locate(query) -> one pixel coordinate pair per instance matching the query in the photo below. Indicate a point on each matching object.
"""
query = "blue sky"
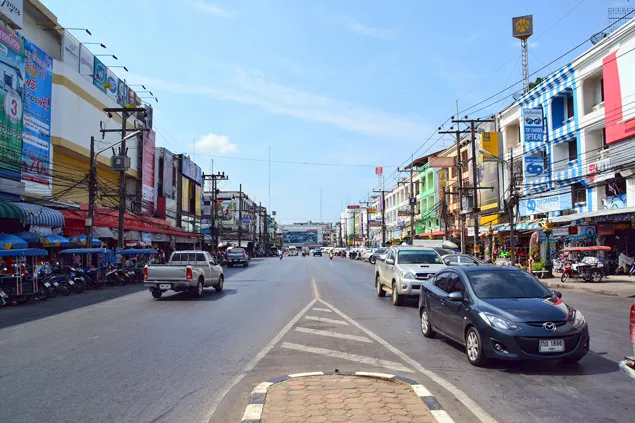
(363, 82)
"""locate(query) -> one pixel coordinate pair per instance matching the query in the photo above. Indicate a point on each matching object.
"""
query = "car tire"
(397, 300)
(378, 287)
(246, 263)
(474, 348)
(220, 284)
(198, 291)
(156, 293)
(371, 260)
(596, 276)
(426, 326)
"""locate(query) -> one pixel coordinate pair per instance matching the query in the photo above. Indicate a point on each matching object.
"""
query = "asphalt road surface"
(117, 355)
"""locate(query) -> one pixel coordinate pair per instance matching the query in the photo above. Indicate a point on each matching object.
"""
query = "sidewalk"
(345, 398)
(619, 286)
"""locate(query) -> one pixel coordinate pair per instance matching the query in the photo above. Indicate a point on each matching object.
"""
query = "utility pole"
(510, 206)
(91, 194)
(366, 203)
(412, 202)
(219, 176)
(240, 215)
(444, 215)
(475, 188)
(382, 192)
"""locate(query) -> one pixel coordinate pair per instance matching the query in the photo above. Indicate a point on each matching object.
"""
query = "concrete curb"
(254, 409)
(561, 285)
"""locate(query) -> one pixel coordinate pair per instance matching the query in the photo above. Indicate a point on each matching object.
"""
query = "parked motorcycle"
(4, 298)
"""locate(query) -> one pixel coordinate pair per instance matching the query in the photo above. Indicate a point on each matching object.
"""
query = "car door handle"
(442, 302)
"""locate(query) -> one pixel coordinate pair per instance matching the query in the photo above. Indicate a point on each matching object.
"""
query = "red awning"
(75, 222)
(427, 234)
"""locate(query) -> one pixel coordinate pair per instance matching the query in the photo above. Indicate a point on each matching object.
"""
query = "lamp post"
(547, 228)
(490, 232)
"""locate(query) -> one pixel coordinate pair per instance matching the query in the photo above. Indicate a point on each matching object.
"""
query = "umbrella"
(8, 242)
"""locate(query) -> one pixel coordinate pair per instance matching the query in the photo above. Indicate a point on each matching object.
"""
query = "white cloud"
(251, 88)
(213, 143)
(369, 31)
(212, 9)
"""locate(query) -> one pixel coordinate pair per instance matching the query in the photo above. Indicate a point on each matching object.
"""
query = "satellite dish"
(517, 95)
(596, 38)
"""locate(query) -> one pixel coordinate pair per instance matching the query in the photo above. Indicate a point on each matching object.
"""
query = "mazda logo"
(549, 326)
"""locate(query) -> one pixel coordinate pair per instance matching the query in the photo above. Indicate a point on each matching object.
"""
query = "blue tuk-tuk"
(17, 281)
(94, 262)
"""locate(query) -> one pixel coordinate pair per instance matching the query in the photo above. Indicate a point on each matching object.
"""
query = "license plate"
(551, 345)
(46, 284)
(3, 294)
(56, 284)
(165, 286)
(71, 283)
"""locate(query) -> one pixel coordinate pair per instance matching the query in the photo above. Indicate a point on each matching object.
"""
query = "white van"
(293, 251)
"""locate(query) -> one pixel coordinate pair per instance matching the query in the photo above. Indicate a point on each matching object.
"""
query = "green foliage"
(534, 84)
(538, 266)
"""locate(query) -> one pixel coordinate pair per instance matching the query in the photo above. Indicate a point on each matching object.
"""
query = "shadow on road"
(209, 294)
(34, 309)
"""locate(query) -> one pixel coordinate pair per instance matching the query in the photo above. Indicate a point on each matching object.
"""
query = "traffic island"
(342, 397)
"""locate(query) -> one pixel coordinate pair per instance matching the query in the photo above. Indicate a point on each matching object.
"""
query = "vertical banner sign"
(379, 170)
(168, 172)
(70, 51)
(132, 98)
(99, 75)
(11, 116)
(122, 92)
(86, 62)
(112, 84)
(489, 143)
(36, 136)
(533, 120)
(147, 175)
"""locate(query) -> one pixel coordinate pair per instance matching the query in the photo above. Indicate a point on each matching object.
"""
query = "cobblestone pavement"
(315, 399)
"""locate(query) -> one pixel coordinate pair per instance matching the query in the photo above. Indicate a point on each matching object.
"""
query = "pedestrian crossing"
(337, 342)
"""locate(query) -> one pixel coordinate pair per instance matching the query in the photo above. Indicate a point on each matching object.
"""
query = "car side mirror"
(447, 262)
(455, 296)
(556, 293)
(390, 262)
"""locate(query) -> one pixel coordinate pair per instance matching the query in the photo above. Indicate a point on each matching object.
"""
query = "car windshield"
(489, 284)
(418, 257)
(237, 251)
(380, 251)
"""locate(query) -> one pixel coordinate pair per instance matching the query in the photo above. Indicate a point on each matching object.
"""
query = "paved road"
(119, 356)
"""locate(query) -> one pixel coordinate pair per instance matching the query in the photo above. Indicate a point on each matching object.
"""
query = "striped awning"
(9, 211)
(35, 214)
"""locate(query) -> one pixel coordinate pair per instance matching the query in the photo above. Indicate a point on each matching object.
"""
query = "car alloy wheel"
(473, 346)
(425, 324)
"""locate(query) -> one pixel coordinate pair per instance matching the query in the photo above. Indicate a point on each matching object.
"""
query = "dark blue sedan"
(501, 312)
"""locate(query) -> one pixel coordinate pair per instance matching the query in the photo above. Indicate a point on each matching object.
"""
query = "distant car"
(443, 251)
(376, 255)
(501, 312)
(237, 256)
(404, 270)
(366, 253)
(461, 260)
(317, 252)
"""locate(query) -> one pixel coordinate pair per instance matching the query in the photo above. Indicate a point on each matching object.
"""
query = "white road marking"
(442, 416)
(421, 391)
(393, 365)
(325, 310)
(325, 320)
(253, 412)
(254, 361)
(334, 334)
(481, 414)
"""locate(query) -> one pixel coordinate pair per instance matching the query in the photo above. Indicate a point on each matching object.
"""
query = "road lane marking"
(325, 320)
(254, 361)
(393, 365)
(334, 334)
(325, 310)
(481, 414)
(316, 291)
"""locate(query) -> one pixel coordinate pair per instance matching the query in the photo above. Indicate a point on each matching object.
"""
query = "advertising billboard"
(191, 170)
(99, 75)
(86, 62)
(168, 172)
(619, 89)
(301, 236)
(533, 124)
(11, 94)
(147, 173)
(489, 198)
(112, 84)
(185, 194)
(489, 143)
(225, 210)
(13, 12)
(529, 206)
(70, 51)
(122, 91)
(36, 135)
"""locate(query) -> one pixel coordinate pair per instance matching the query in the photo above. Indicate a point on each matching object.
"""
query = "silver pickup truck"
(186, 271)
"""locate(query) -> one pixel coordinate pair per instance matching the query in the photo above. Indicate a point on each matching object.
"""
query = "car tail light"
(188, 273)
(145, 273)
(243, 255)
(633, 323)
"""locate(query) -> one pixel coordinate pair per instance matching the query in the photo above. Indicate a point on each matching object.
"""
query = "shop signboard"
(147, 173)
(122, 91)
(70, 50)
(99, 74)
(614, 202)
(601, 171)
(403, 213)
(197, 200)
(353, 206)
(12, 12)
(605, 229)
(86, 62)
(440, 162)
(538, 205)
(191, 170)
(489, 143)
(622, 225)
(371, 210)
(587, 231)
(559, 231)
(533, 123)
(112, 84)
(168, 172)
(534, 167)
(618, 68)
(225, 210)
(36, 135)
(379, 170)
(185, 194)
(11, 114)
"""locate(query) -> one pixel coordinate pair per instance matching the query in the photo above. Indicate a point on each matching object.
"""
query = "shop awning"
(9, 211)
(81, 240)
(35, 214)
(24, 252)
(12, 242)
(56, 241)
(591, 214)
(29, 237)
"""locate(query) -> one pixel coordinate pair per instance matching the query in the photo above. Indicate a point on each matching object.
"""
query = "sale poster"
(36, 135)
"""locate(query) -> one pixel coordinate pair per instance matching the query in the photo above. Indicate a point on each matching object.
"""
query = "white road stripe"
(442, 416)
(480, 414)
(347, 356)
(325, 310)
(253, 412)
(421, 391)
(254, 361)
(334, 334)
(325, 320)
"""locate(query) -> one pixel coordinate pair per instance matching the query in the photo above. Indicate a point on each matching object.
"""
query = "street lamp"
(107, 55)
(102, 45)
(124, 68)
(155, 99)
(44, 27)
(547, 228)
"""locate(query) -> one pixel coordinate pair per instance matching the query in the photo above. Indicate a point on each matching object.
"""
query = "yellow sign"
(489, 143)
(442, 181)
(522, 26)
(371, 210)
(490, 219)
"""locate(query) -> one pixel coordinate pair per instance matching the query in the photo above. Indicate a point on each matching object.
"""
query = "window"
(442, 281)
(507, 284)
(579, 193)
(419, 257)
(8, 80)
(602, 89)
(200, 257)
(573, 149)
(604, 137)
(176, 257)
(452, 259)
(570, 110)
(456, 284)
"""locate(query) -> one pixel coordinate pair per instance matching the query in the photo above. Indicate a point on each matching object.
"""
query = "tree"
(534, 84)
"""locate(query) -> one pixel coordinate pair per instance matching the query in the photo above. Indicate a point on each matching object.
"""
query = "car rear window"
(489, 284)
(237, 250)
